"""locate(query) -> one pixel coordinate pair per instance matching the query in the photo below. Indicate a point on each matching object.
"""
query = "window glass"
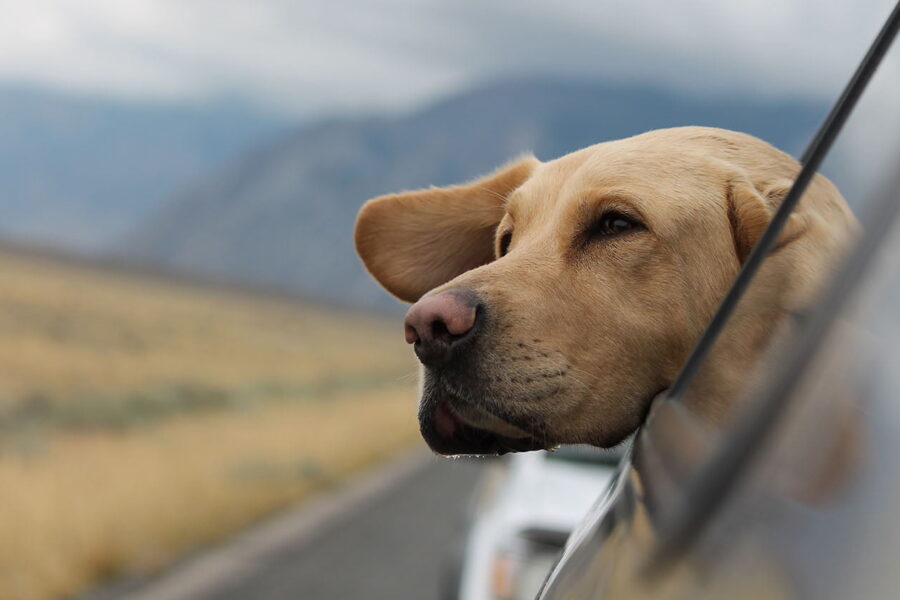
(788, 286)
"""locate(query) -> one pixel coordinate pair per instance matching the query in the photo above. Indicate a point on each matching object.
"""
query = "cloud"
(344, 55)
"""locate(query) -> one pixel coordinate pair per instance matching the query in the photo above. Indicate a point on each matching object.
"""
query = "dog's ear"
(750, 210)
(414, 241)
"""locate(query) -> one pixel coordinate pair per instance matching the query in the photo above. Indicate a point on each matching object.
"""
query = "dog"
(554, 300)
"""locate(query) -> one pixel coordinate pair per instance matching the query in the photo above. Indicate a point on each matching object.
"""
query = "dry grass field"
(140, 419)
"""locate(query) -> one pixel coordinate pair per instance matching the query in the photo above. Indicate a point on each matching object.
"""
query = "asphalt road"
(387, 536)
(392, 548)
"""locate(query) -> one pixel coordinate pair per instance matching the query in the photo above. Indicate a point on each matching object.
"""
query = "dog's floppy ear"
(414, 241)
(750, 210)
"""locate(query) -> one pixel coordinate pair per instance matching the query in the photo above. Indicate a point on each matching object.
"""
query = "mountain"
(78, 171)
(283, 216)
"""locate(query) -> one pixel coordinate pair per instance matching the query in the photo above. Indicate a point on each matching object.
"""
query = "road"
(384, 537)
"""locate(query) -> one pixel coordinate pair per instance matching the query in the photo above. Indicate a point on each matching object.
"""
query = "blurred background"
(188, 343)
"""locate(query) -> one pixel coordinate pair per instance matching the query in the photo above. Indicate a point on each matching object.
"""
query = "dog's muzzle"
(444, 329)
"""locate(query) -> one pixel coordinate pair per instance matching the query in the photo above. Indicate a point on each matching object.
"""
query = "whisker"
(583, 384)
(497, 195)
(583, 372)
(408, 375)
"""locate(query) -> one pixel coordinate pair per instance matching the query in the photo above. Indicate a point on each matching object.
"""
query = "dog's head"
(554, 300)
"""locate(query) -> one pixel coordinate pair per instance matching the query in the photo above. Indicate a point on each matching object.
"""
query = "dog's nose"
(436, 324)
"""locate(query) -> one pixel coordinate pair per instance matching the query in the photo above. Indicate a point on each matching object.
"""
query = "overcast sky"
(304, 57)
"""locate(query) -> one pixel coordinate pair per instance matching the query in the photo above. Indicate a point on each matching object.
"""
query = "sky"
(305, 60)
(298, 57)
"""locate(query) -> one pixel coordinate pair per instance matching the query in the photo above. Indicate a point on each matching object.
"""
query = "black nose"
(436, 325)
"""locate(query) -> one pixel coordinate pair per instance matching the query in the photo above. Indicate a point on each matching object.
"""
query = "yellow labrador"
(554, 300)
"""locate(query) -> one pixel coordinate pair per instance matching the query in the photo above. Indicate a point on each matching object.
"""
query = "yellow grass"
(73, 330)
(303, 396)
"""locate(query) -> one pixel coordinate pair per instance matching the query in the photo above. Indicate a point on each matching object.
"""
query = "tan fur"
(582, 333)
(410, 256)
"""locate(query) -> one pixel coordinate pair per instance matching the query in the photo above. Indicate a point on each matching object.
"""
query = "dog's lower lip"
(445, 421)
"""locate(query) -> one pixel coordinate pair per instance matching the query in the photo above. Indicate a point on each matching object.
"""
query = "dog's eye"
(503, 245)
(613, 223)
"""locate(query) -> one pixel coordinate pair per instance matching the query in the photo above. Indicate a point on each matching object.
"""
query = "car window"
(725, 366)
(684, 464)
(862, 162)
(679, 441)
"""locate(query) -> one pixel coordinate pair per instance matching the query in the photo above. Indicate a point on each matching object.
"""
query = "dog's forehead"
(628, 166)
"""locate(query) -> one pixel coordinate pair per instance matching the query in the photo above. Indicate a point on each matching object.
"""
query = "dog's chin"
(452, 431)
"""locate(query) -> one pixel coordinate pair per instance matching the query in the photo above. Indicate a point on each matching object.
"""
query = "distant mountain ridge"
(283, 215)
(78, 171)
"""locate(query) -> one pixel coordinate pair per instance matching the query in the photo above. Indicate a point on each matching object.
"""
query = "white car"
(525, 508)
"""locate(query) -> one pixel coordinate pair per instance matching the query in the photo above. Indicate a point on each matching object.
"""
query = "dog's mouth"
(464, 430)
